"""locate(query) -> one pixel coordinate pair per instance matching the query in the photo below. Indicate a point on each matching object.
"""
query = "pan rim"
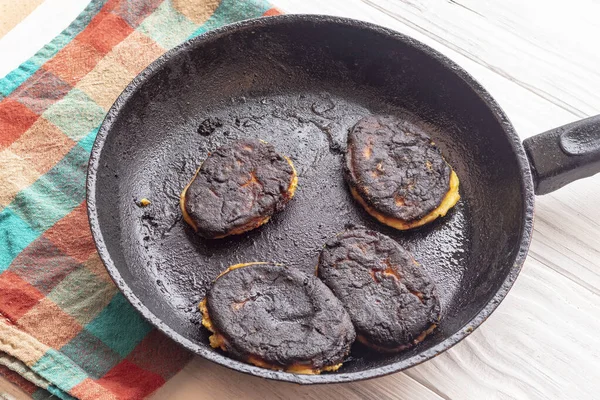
(204, 351)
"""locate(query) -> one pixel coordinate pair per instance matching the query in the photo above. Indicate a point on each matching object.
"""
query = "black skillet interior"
(299, 83)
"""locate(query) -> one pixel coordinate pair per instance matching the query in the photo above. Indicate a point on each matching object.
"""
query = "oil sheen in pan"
(310, 128)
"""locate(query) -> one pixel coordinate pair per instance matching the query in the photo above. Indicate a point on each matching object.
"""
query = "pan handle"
(565, 154)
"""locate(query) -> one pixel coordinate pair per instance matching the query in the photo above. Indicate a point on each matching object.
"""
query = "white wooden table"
(539, 59)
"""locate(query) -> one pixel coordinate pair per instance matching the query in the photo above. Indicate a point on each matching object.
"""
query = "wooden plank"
(547, 47)
(205, 380)
(541, 343)
(567, 233)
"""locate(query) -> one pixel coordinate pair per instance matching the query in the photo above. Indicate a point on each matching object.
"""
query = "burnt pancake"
(391, 299)
(277, 318)
(238, 188)
(395, 171)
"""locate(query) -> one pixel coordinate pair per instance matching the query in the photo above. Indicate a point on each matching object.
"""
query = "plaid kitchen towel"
(65, 330)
